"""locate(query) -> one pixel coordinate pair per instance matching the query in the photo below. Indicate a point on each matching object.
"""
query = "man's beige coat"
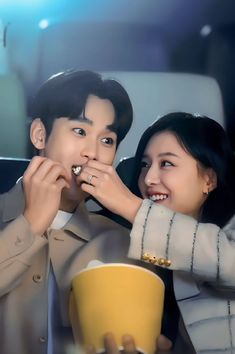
(25, 260)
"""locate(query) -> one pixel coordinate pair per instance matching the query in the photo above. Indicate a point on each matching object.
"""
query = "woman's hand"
(104, 184)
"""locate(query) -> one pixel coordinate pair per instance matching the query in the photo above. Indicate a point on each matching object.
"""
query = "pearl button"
(161, 261)
(145, 257)
(167, 262)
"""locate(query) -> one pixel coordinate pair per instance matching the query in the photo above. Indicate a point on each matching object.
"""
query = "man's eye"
(108, 141)
(79, 131)
(144, 164)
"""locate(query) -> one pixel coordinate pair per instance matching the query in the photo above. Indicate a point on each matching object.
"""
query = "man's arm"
(23, 237)
(161, 236)
(18, 246)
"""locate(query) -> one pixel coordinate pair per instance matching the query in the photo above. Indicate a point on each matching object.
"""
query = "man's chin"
(74, 195)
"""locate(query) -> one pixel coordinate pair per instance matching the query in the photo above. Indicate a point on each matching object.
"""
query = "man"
(47, 233)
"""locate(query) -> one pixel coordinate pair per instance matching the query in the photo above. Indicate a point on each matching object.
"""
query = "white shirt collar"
(61, 219)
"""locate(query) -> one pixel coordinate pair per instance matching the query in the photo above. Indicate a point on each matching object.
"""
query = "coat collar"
(79, 224)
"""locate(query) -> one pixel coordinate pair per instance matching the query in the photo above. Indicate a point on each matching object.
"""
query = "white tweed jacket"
(202, 257)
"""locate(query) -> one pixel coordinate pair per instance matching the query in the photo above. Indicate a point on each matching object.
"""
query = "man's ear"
(210, 181)
(38, 134)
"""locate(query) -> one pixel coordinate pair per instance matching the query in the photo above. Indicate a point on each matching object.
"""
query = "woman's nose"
(152, 177)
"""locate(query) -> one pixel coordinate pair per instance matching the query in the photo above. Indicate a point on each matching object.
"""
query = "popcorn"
(76, 169)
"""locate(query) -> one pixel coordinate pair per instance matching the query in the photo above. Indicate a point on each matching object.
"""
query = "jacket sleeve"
(178, 241)
(17, 248)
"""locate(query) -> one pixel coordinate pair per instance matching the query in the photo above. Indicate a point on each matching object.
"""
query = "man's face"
(74, 142)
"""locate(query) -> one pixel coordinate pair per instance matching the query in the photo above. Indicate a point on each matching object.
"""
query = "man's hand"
(128, 343)
(43, 182)
(111, 347)
(164, 345)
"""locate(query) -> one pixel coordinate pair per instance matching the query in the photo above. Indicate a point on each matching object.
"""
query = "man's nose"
(153, 176)
(90, 150)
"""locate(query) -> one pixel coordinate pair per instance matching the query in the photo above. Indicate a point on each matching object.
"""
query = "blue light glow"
(43, 24)
(205, 30)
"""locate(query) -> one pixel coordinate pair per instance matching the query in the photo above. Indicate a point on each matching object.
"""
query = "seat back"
(154, 94)
(11, 169)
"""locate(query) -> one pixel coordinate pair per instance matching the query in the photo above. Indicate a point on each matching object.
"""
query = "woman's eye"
(108, 141)
(79, 131)
(166, 163)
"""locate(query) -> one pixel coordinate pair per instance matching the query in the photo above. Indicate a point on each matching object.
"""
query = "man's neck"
(69, 205)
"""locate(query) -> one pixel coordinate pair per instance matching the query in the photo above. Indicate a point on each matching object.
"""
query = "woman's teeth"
(155, 197)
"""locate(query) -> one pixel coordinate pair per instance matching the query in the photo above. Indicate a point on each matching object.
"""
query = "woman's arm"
(181, 243)
(159, 235)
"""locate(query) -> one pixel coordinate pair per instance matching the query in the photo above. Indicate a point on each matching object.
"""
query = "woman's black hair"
(206, 141)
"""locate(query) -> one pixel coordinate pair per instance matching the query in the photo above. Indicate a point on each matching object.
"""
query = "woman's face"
(173, 178)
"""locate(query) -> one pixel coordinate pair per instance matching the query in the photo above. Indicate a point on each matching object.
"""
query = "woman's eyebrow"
(163, 154)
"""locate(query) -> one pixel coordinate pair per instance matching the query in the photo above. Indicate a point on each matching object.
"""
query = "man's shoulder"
(11, 204)
(2, 198)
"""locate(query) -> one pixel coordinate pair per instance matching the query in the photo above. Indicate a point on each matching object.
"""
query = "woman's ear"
(210, 181)
(38, 134)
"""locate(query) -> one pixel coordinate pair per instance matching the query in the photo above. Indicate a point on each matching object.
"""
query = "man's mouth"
(158, 196)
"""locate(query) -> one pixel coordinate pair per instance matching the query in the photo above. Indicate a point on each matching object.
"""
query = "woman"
(183, 164)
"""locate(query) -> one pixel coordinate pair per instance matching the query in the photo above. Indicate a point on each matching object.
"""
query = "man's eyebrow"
(89, 121)
(111, 128)
(84, 119)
